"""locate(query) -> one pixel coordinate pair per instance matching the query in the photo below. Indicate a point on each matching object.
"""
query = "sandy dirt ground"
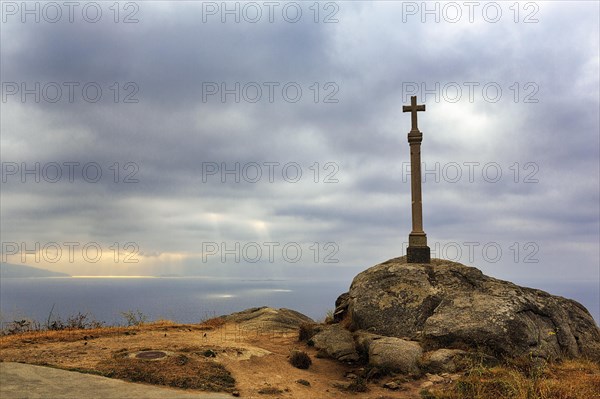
(258, 361)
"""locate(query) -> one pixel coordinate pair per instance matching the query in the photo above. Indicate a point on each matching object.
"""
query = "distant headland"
(8, 270)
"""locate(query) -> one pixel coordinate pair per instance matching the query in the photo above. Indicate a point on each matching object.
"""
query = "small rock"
(426, 384)
(436, 379)
(235, 393)
(270, 391)
(391, 385)
(303, 382)
(209, 353)
(351, 376)
(182, 360)
(341, 384)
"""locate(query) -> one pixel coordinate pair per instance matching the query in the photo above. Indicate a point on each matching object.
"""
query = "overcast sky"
(207, 117)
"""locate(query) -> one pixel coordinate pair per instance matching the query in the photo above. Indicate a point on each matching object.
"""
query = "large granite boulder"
(449, 305)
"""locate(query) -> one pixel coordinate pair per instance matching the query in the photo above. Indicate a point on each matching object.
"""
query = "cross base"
(418, 254)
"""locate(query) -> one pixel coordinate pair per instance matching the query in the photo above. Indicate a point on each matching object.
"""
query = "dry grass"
(213, 323)
(62, 335)
(177, 371)
(79, 334)
(572, 379)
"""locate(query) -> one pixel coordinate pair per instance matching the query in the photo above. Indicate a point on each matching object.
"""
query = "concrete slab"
(25, 381)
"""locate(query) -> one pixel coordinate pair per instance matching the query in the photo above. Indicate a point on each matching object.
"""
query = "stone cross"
(413, 108)
(417, 251)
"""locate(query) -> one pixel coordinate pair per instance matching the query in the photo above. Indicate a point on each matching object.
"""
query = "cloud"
(347, 125)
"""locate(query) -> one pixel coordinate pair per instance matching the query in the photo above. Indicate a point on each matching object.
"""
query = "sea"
(180, 299)
(193, 299)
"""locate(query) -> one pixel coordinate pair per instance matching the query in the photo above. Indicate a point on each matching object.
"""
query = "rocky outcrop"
(389, 352)
(449, 305)
(336, 342)
(443, 360)
(395, 354)
(268, 319)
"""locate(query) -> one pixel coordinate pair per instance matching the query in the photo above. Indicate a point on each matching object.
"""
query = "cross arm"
(408, 108)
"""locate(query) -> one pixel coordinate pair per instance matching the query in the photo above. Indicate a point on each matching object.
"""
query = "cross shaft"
(417, 251)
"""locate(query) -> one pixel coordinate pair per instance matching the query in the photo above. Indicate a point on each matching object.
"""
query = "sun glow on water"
(113, 277)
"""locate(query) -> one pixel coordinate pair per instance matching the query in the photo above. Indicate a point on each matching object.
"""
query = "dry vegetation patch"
(71, 335)
(213, 323)
(178, 371)
(572, 379)
(300, 360)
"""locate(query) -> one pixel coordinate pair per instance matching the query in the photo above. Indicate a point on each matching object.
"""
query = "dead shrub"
(300, 360)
